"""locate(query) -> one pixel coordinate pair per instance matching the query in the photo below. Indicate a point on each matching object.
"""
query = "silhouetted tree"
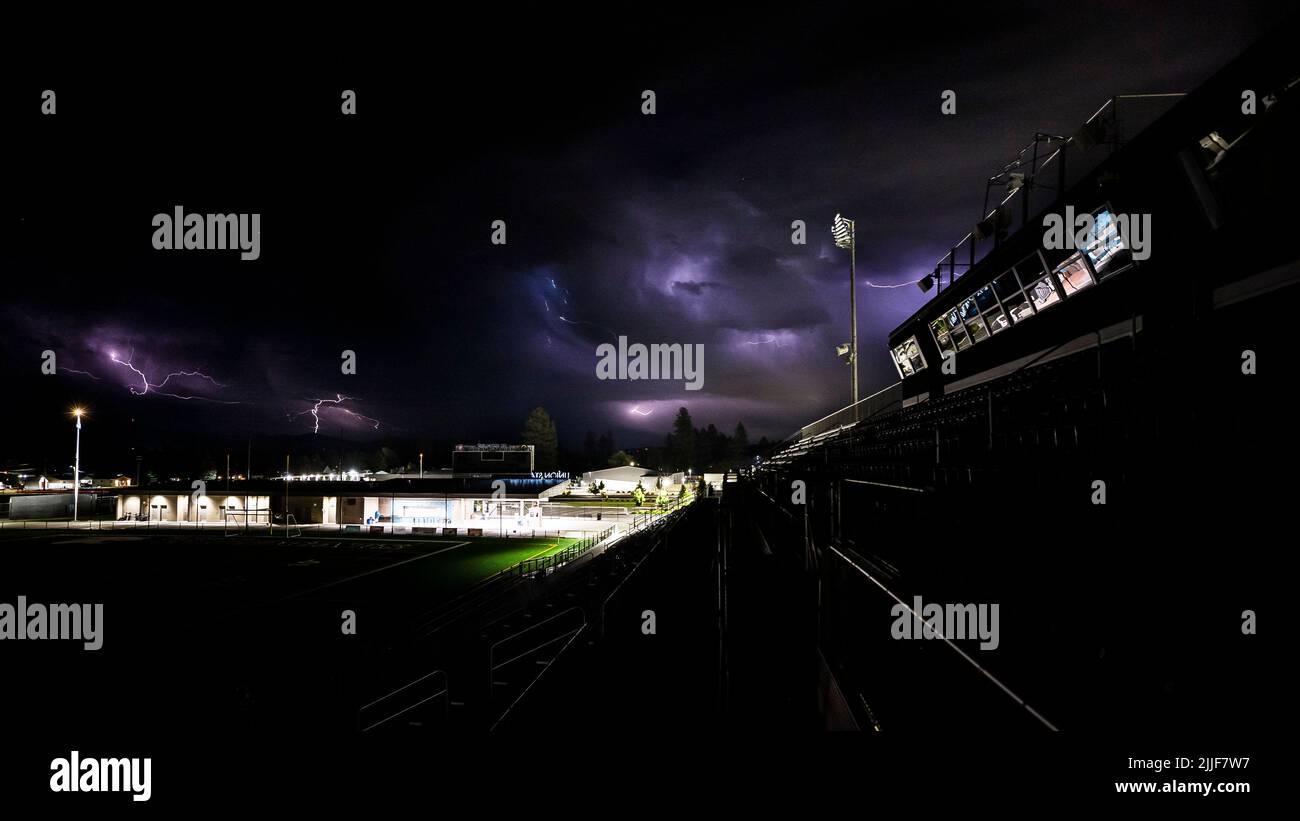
(604, 449)
(739, 455)
(681, 442)
(539, 431)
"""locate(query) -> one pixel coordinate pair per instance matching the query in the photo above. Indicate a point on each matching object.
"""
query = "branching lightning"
(315, 410)
(145, 384)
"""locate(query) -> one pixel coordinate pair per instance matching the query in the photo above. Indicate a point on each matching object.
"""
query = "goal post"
(241, 520)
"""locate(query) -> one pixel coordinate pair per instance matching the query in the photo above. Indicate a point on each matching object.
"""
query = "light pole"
(421, 465)
(844, 232)
(76, 465)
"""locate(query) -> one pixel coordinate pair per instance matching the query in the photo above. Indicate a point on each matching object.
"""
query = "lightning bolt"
(189, 373)
(146, 384)
(143, 379)
(314, 410)
(83, 373)
(637, 410)
(585, 322)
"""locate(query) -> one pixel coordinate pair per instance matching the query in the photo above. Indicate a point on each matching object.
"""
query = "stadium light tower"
(845, 237)
(76, 463)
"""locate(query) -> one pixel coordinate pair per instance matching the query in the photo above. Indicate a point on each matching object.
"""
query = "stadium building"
(505, 505)
(1069, 418)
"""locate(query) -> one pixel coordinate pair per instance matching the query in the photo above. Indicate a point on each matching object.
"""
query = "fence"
(568, 554)
(641, 520)
(886, 399)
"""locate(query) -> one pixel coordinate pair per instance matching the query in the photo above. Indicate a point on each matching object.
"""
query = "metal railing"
(390, 706)
(568, 554)
(639, 522)
(1113, 124)
(649, 517)
(886, 399)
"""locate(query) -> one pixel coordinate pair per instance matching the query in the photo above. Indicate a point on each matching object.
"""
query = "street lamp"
(76, 463)
(845, 237)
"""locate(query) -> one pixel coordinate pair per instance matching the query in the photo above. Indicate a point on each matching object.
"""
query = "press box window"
(1042, 294)
(1105, 246)
(974, 325)
(993, 316)
(1018, 307)
(1030, 268)
(909, 358)
(997, 320)
(939, 329)
(1006, 285)
(958, 332)
(1074, 274)
(1040, 289)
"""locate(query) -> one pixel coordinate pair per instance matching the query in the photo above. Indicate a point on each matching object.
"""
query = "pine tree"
(740, 447)
(682, 441)
(539, 431)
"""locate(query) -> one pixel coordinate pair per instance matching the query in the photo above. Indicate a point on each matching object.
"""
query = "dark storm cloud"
(692, 239)
(671, 228)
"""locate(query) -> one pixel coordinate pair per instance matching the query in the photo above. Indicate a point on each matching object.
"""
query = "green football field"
(447, 567)
(484, 557)
(383, 569)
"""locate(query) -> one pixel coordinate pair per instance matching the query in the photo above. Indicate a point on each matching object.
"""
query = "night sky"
(671, 228)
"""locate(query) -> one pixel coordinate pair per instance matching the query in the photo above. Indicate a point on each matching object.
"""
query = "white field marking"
(376, 570)
(543, 550)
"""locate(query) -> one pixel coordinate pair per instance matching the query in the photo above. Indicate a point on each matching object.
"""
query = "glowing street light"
(76, 463)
